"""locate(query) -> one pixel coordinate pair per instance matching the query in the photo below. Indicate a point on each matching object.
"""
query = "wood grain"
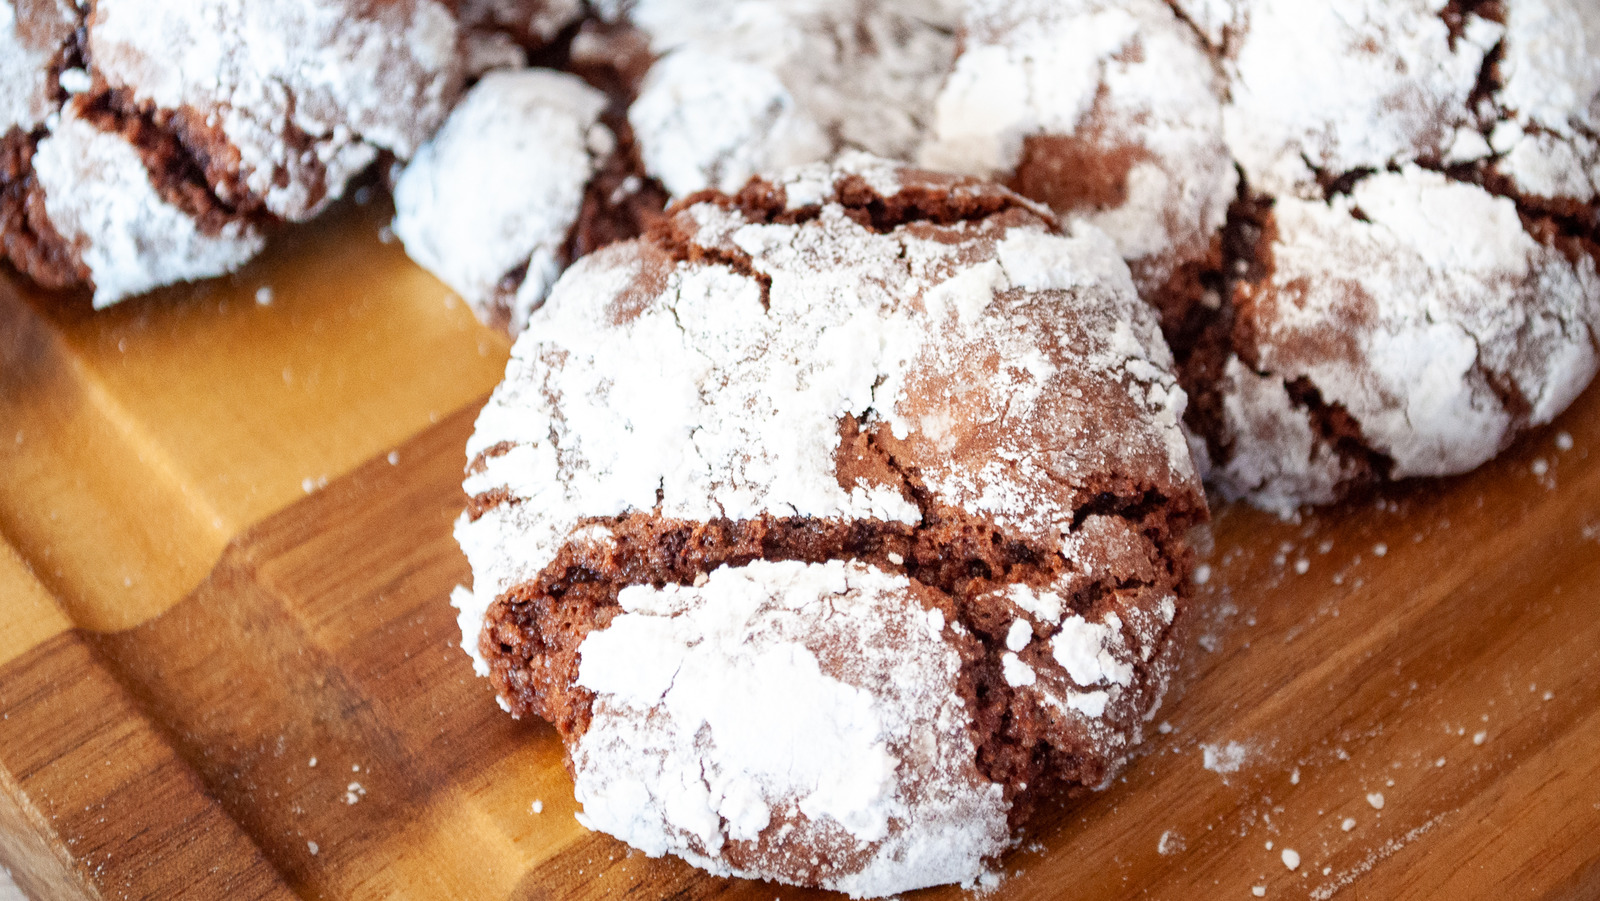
(1439, 644)
(139, 440)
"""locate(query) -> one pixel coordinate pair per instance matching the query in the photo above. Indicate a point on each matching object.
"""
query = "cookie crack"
(177, 172)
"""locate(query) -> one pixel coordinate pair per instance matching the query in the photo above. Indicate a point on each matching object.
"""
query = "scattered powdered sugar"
(26, 55)
(1415, 315)
(307, 91)
(499, 187)
(1122, 81)
(99, 197)
(1336, 87)
(802, 694)
(744, 87)
(1224, 759)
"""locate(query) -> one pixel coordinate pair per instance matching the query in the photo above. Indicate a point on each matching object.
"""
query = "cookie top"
(822, 697)
(1109, 111)
(1422, 308)
(281, 103)
(532, 23)
(487, 204)
(1319, 90)
(859, 382)
(742, 87)
(754, 331)
(33, 38)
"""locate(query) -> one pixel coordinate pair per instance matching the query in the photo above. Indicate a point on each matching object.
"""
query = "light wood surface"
(227, 553)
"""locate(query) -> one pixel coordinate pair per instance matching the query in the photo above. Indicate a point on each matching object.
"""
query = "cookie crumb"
(1170, 843)
(1224, 759)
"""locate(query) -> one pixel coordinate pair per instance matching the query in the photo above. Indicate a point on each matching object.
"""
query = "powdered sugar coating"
(705, 380)
(499, 187)
(531, 21)
(812, 695)
(1549, 143)
(744, 87)
(1433, 319)
(31, 39)
(1278, 461)
(722, 407)
(100, 199)
(1335, 87)
(1122, 90)
(307, 92)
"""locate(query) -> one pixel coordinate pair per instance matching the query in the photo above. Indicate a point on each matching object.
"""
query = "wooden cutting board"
(228, 666)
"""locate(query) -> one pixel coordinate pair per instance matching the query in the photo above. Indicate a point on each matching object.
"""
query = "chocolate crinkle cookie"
(488, 204)
(832, 523)
(1406, 276)
(742, 87)
(157, 141)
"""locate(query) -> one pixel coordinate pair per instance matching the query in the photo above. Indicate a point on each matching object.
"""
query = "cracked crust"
(740, 88)
(908, 375)
(1408, 274)
(1106, 111)
(281, 104)
(487, 204)
(177, 133)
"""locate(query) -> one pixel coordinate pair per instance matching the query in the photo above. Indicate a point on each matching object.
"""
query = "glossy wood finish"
(184, 628)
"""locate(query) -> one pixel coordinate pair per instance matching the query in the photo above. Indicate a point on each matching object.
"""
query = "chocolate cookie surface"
(882, 435)
(1406, 277)
(148, 143)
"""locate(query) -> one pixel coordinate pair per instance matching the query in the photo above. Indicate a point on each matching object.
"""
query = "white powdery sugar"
(538, 19)
(742, 87)
(26, 55)
(500, 186)
(806, 697)
(1089, 666)
(100, 199)
(1345, 86)
(1125, 79)
(308, 91)
(1224, 759)
(673, 388)
(1277, 460)
(1086, 651)
(1550, 86)
(1410, 317)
